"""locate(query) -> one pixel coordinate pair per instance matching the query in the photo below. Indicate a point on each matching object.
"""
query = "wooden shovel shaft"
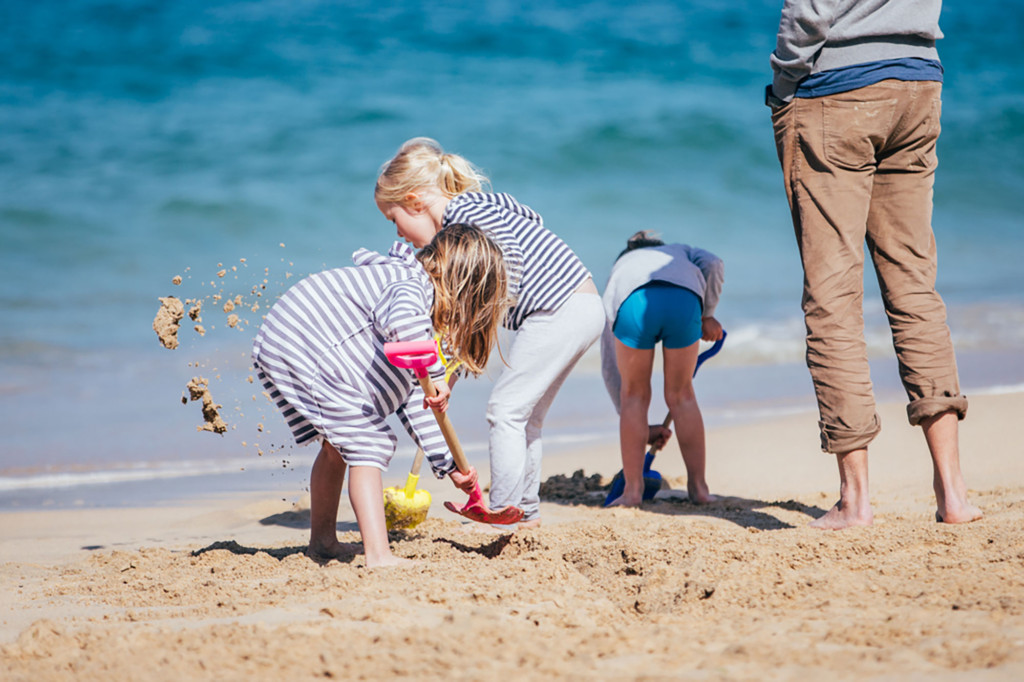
(447, 430)
(417, 462)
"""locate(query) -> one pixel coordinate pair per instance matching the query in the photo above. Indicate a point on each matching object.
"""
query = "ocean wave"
(145, 140)
(985, 326)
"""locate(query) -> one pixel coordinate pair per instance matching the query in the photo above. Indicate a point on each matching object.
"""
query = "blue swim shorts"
(659, 311)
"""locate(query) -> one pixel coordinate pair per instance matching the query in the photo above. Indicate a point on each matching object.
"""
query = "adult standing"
(856, 103)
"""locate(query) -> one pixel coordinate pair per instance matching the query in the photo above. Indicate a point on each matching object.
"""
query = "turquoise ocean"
(235, 144)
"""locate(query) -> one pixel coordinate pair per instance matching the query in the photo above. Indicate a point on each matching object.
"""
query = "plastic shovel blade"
(652, 482)
(476, 510)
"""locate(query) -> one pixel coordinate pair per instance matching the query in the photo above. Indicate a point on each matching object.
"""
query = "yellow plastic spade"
(407, 507)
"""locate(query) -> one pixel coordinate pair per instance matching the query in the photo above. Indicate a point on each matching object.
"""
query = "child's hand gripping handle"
(447, 430)
(418, 356)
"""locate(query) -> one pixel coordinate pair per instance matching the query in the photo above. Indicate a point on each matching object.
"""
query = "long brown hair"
(470, 291)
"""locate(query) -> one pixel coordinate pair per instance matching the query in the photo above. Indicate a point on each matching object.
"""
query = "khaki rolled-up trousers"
(859, 167)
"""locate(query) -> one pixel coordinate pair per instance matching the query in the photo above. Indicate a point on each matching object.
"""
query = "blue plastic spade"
(652, 479)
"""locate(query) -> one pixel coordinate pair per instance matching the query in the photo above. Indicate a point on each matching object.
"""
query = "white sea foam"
(996, 390)
(149, 472)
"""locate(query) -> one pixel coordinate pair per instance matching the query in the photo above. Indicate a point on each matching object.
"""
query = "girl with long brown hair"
(320, 356)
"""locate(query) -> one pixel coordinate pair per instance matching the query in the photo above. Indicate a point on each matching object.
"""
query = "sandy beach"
(220, 589)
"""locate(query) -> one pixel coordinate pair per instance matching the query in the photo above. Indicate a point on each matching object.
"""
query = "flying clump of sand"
(168, 320)
(198, 389)
(216, 298)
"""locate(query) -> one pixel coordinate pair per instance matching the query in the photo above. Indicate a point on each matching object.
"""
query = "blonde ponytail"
(421, 163)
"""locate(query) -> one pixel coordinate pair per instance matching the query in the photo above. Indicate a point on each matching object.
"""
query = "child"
(668, 293)
(556, 312)
(320, 355)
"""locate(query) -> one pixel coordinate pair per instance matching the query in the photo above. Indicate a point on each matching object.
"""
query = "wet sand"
(740, 589)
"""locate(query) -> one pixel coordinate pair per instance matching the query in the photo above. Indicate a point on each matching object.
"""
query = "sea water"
(235, 144)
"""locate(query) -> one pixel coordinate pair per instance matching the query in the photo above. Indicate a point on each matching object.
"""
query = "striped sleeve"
(401, 312)
(400, 315)
(472, 209)
(543, 271)
(421, 425)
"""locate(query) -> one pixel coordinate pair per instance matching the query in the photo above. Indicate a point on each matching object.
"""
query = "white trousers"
(545, 349)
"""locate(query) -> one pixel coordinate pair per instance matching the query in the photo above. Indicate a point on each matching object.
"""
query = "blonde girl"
(554, 310)
(320, 356)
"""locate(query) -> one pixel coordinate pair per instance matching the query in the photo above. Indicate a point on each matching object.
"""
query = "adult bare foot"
(952, 506)
(844, 516)
(962, 512)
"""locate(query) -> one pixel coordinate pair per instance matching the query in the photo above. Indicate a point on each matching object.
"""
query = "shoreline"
(769, 459)
(251, 456)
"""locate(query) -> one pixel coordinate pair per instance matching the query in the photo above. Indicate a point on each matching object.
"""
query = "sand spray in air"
(167, 324)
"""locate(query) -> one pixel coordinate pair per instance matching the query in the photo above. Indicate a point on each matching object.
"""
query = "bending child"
(555, 310)
(664, 293)
(320, 356)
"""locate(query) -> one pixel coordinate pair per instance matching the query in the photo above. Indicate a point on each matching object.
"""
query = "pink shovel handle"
(417, 356)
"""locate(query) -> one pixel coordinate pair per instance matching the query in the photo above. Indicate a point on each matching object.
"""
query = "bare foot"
(953, 507)
(699, 494)
(324, 553)
(388, 560)
(532, 523)
(844, 516)
(964, 512)
(625, 500)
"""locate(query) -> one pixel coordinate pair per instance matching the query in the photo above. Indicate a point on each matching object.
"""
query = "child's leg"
(325, 484)
(366, 492)
(686, 417)
(635, 367)
(546, 348)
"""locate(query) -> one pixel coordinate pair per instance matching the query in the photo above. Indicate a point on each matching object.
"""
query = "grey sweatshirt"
(820, 35)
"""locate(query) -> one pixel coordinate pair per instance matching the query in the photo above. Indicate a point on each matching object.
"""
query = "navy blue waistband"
(857, 76)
